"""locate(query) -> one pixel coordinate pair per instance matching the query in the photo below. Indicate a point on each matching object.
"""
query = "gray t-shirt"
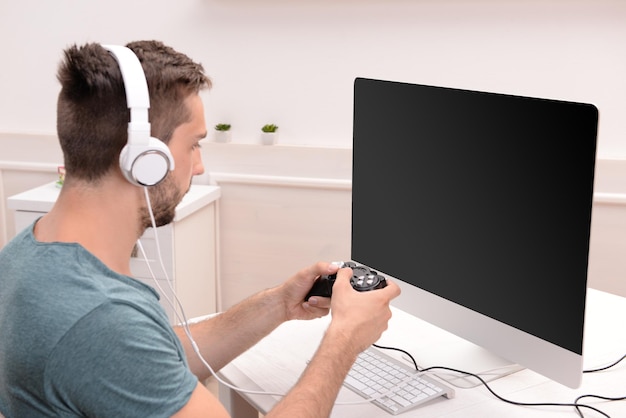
(79, 340)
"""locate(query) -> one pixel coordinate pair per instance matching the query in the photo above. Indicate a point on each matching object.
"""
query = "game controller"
(363, 279)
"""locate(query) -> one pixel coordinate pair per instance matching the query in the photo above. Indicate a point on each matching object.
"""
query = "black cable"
(533, 404)
(604, 398)
(605, 367)
(575, 404)
(400, 350)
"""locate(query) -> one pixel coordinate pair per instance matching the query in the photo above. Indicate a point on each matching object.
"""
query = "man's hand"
(295, 289)
(363, 316)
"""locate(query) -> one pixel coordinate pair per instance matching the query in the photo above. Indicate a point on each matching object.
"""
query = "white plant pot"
(269, 138)
(223, 136)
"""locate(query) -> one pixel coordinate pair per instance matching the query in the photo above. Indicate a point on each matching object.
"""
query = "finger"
(321, 268)
(319, 302)
(343, 277)
(393, 289)
(314, 310)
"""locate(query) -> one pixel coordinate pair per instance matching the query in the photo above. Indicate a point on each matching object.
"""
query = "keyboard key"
(394, 385)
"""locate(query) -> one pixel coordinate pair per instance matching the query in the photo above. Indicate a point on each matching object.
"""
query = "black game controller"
(363, 279)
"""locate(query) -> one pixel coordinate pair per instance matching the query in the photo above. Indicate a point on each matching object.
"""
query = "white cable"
(182, 318)
(156, 282)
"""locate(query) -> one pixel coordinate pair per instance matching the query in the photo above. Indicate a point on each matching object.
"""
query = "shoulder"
(121, 361)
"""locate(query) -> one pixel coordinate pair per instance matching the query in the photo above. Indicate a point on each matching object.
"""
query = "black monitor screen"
(481, 198)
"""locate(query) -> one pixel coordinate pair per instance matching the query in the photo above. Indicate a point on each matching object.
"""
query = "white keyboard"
(395, 386)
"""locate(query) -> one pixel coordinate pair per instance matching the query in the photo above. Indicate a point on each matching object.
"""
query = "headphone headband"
(137, 96)
(144, 160)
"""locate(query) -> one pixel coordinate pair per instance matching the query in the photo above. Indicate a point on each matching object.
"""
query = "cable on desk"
(615, 363)
(604, 398)
(576, 405)
(400, 350)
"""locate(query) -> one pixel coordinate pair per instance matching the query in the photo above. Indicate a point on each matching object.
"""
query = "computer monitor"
(479, 205)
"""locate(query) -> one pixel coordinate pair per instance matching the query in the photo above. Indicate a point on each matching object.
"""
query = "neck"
(103, 218)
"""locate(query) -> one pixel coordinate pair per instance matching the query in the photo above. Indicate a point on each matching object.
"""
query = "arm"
(225, 336)
(358, 320)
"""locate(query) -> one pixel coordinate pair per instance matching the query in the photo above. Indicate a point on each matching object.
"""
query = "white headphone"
(144, 160)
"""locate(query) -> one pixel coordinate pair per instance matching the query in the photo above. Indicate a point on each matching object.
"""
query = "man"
(80, 337)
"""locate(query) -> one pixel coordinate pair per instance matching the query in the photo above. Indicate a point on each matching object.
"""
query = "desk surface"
(276, 362)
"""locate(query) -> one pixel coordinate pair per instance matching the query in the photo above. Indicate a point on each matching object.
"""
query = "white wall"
(293, 62)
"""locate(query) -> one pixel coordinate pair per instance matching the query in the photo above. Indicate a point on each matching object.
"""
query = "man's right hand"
(362, 315)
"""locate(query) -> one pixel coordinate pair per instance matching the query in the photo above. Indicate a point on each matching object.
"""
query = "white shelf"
(42, 198)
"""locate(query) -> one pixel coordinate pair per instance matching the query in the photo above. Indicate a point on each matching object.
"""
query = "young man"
(79, 336)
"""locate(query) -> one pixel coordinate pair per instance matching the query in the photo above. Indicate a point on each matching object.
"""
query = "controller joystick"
(363, 279)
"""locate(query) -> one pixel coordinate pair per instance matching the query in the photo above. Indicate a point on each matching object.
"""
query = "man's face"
(185, 148)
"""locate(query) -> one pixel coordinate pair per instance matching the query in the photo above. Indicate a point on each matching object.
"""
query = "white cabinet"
(188, 246)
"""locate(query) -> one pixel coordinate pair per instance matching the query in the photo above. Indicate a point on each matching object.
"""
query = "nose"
(198, 166)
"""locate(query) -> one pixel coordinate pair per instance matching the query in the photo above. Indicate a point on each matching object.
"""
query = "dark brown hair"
(92, 115)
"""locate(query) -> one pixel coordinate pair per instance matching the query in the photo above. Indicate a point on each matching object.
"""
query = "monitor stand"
(454, 352)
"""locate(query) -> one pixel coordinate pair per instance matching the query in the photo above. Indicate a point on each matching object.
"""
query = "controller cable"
(576, 404)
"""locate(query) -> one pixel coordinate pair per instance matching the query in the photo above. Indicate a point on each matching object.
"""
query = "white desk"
(276, 362)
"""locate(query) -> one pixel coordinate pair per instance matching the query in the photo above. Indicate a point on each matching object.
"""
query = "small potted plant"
(222, 132)
(61, 172)
(269, 134)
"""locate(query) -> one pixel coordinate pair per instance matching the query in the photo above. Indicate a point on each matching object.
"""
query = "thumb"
(343, 278)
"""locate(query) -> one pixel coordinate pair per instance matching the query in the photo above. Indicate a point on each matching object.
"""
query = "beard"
(164, 198)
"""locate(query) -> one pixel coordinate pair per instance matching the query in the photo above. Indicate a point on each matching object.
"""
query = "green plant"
(222, 127)
(61, 171)
(270, 127)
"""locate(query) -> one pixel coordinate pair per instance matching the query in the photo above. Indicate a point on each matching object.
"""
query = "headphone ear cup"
(146, 165)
